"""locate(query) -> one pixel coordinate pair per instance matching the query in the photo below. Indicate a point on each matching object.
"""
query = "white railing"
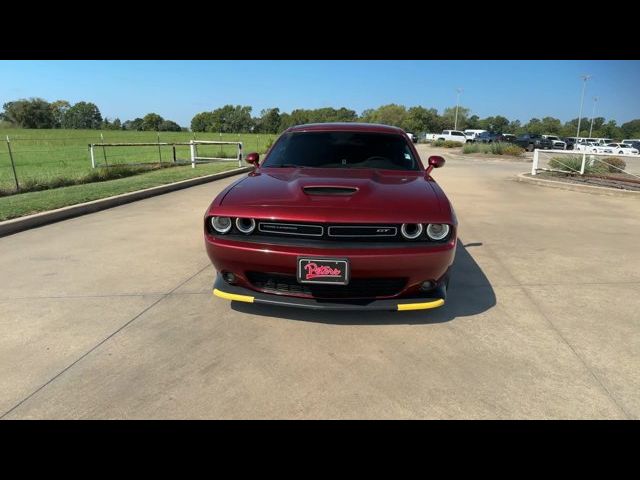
(581, 162)
(195, 158)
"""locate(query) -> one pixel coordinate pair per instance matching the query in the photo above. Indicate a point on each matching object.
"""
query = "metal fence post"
(536, 158)
(192, 147)
(159, 151)
(13, 165)
(584, 159)
(239, 154)
(104, 151)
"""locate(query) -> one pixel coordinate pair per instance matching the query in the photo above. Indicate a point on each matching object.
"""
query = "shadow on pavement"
(470, 293)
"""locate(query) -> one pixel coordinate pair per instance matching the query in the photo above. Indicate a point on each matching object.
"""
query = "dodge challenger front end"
(336, 217)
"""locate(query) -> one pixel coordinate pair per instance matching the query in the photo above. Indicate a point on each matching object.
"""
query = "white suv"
(557, 143)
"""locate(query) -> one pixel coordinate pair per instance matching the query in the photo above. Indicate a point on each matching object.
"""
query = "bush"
(497, 148)
(614, 162)
(514, 150)
(471, 148)
(446, 144)
(571, 163)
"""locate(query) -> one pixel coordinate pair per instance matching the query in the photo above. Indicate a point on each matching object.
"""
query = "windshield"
(342, 150)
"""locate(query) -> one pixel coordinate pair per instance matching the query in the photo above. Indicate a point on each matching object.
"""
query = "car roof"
(345, 127)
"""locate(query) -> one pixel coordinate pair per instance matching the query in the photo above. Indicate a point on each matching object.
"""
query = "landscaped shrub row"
(497, 148)
(446, 144)
(573, 163)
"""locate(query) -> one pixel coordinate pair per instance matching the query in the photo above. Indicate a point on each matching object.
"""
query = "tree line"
(416, 119)
(38, 113)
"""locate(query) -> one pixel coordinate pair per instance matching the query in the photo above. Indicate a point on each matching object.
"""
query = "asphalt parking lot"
(111, 315)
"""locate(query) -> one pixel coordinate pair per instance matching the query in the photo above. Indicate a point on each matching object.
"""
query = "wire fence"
(48, 157)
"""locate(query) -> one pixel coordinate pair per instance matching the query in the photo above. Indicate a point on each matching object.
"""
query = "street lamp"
(459, 90)
(584, 86)
(593, 113)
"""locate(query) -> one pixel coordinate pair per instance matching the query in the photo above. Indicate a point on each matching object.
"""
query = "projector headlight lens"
(245, 225)
(437, 231)
(221, 224)
(411, 231)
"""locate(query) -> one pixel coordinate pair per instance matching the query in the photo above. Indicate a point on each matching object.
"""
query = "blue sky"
(177, 90)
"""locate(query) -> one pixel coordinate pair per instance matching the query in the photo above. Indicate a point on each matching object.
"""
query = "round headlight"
(221, 224)
(437, 231)
(411, 231)
(246, 225)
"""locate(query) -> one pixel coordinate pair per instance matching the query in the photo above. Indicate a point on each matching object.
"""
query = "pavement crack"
(101, 342)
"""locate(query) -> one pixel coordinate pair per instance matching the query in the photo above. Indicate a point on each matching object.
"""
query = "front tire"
(530, 148)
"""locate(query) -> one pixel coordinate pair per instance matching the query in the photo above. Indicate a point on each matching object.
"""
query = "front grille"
(291, 229)
(362, 231)
(335, 232)
(357, 288)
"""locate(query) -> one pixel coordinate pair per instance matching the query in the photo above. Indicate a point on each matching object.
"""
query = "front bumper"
(415, 264)
(235, 293)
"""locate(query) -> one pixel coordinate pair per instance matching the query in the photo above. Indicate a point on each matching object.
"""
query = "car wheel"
(530, 148)
(621, 152)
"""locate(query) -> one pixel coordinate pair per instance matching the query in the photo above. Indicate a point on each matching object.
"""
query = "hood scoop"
(329, 190)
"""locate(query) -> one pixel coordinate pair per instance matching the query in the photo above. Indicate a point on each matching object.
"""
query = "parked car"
(633, 144)
(282, 236)
(453, 135)
(472, 133)
(623, 148)
(570, 142)
(531, 141)
(631, 141)
(592, 147)
(556, 142)
(487, 137)
(507, 138)
(413, 137)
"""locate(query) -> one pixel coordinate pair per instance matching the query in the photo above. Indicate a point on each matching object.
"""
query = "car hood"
(337, 195)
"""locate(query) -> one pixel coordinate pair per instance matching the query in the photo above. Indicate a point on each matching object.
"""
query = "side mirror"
(253, 158)
(435, 161)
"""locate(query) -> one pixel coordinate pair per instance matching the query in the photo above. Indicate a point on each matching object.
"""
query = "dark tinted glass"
(342, 150)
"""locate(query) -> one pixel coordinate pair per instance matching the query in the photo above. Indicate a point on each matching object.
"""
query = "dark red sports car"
(338, 216)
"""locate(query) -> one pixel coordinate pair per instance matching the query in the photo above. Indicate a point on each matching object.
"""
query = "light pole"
(584, 86)
(593, 113)
(459, 90)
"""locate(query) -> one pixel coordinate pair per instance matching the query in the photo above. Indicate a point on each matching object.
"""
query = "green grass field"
(42, 155)
(46, 159)
(14, 206)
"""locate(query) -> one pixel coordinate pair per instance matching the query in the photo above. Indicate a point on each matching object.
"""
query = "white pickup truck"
(454, 135)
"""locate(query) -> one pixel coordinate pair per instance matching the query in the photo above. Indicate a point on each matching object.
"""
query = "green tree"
(82, 115)
(611, 130)
(449, 116)
(151, 122)
(58, 109)
(420, 119)
(169, 126)
(201, 122)
(135, 124)
(534, 126)
(473, 122)
(269, 121)
(630, 129)
(29, 113)
(390, 114)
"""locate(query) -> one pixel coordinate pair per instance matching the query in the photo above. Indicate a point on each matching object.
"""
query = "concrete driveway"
(111, 315)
